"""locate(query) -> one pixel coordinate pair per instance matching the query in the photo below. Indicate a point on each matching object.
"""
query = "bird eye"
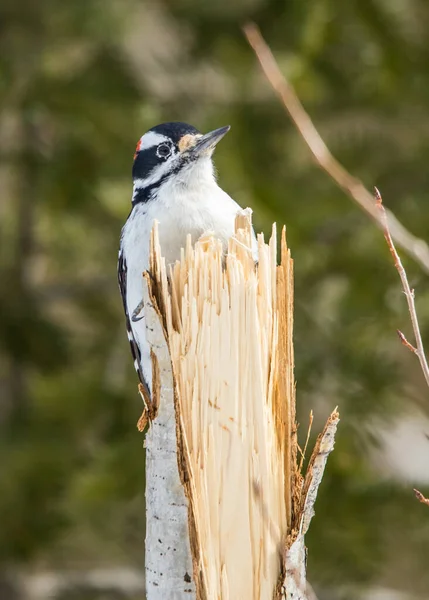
(163, 150)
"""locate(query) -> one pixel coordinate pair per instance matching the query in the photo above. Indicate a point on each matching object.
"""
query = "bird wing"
(135, 351)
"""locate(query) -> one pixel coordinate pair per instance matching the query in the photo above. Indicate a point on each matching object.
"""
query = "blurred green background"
(80, 82)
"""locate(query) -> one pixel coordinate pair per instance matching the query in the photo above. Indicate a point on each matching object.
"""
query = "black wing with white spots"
(135, 351)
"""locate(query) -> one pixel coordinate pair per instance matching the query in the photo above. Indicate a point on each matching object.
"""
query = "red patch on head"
(139, 143)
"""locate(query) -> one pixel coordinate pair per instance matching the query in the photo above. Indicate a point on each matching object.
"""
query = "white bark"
(316, 468)
(295, 585)
(168, 554)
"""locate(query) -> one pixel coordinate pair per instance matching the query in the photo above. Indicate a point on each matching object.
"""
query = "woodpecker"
(174, 182)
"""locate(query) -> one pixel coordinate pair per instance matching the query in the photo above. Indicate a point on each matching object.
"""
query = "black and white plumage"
(174, 183)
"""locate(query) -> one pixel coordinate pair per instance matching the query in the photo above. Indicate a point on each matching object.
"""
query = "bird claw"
(136, 312)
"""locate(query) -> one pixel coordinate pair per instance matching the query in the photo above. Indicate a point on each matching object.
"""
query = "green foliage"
(79, 84)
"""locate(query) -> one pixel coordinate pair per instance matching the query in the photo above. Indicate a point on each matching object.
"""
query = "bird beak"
(208, 141)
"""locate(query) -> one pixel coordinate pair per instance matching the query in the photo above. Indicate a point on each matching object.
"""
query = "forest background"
(80, 82)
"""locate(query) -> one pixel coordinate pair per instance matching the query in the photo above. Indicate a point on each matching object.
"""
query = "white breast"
(180, 210)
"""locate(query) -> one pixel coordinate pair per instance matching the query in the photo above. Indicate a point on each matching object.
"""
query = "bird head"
(173, 150)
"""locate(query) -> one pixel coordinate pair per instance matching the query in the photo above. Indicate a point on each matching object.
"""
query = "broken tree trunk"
(227, 503)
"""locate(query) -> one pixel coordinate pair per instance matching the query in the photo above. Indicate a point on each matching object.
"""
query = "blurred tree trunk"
(23, 252)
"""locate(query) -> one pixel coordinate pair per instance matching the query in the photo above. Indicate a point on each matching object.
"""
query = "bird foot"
(136, 312)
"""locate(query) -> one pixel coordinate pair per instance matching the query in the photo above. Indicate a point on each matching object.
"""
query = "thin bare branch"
(420, 497)
(409, 293)
(413, 246)
(405, 342)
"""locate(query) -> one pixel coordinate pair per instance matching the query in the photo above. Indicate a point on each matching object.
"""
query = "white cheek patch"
(155, 175)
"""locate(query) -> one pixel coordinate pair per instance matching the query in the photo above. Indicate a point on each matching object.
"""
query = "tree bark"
(168, 553)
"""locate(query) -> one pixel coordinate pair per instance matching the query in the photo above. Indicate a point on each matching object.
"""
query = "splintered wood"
(228, 324)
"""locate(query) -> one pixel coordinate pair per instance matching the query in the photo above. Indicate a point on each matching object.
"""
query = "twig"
(405, 342)
(420, 497)
(413, 246)
(409, 293)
